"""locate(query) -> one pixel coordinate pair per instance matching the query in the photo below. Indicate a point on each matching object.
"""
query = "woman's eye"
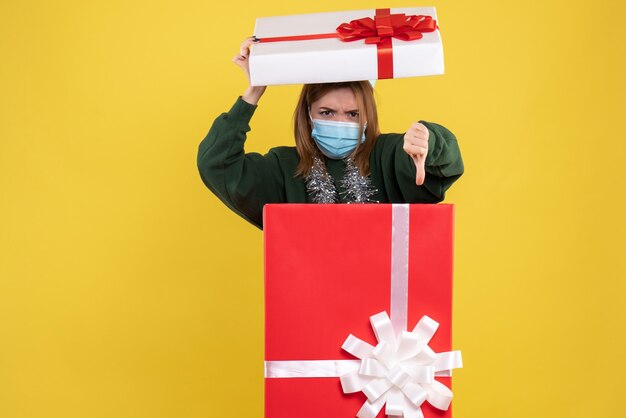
(354, 115)
(325, 112)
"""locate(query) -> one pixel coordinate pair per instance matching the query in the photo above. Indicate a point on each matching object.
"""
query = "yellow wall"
(128, 290)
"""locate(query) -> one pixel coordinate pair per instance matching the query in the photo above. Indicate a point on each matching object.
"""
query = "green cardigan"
(245, 182)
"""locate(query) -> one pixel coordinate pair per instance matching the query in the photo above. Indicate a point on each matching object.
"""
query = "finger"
(416, 133)
(419, 132)
(415, 150)
(420, 142)
(420, 170)
(244, 49)
(243, 64)
(415, 126)
(421, 127)
(247, 42)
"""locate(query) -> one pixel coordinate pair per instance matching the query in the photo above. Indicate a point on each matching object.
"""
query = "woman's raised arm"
(252, 94)
(243, 181)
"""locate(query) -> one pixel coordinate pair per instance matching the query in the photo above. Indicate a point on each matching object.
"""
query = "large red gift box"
(328, 269)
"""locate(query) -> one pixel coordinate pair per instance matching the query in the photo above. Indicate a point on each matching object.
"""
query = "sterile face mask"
(335, 139)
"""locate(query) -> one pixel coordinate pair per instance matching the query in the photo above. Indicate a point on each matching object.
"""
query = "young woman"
(340, 155)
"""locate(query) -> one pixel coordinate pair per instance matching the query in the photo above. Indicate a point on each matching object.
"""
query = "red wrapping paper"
(327, 270)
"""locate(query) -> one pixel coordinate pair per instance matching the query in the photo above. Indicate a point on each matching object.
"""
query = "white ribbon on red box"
(399, 372)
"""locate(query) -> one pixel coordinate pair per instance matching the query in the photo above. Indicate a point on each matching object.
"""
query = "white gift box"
(334, 60)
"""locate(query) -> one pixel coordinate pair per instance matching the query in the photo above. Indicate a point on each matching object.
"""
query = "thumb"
(420, 171)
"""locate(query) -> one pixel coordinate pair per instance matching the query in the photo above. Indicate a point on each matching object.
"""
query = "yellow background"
(128, 290)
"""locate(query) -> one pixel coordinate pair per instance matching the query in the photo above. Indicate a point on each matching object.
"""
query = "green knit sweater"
(245, 182)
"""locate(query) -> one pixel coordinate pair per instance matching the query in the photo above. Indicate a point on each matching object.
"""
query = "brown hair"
(305, 145)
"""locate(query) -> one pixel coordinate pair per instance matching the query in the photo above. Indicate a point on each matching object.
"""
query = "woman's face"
(336, 105)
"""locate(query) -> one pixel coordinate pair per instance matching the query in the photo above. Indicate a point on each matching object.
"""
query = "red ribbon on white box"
(378, 30)
(399, 372)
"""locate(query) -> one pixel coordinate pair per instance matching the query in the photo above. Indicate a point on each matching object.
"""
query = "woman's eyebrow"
(333, 110)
